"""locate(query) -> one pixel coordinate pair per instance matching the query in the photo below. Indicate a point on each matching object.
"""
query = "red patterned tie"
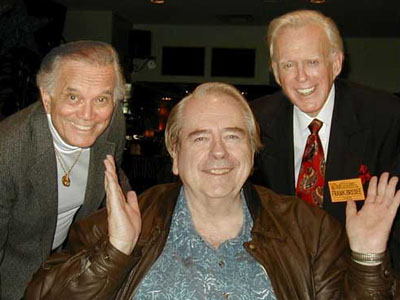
(310, 184)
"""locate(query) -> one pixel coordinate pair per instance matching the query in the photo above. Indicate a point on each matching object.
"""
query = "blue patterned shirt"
(189, 268)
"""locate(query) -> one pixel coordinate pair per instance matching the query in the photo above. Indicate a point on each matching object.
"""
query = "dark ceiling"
(355, 18)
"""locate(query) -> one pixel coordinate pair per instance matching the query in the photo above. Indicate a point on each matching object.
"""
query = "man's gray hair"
(301, 18)
(92, 52)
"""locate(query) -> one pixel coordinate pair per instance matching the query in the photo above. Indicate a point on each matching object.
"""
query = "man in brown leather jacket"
(296, 249)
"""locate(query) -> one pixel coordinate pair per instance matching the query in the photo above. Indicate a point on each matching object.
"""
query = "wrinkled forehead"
(213, 112)
(295, 38)
(73, 72)
(72, 65)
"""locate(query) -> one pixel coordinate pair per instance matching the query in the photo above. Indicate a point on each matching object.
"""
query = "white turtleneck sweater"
(71, 198)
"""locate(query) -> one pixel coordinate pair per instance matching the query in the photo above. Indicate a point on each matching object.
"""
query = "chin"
(310, 110)
(221, 193)
(81, 144)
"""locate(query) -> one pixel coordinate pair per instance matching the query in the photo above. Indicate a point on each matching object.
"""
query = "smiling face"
(214, 157)
(305, 67)
(81, 104)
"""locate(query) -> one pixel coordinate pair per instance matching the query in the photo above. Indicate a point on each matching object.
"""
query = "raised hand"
(368, 229)
(124, 220)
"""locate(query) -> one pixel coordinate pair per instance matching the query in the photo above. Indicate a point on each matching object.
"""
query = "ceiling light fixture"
(157, 1)
(317, 1)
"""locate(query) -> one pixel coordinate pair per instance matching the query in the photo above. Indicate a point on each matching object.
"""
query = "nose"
(218, 149)
(86, 110)
(301, 73)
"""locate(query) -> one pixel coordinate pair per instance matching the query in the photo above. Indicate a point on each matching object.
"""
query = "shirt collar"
(182, 218)
(325, 115)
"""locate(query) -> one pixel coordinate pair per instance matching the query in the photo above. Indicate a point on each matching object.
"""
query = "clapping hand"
(124, 221)
(368, 229)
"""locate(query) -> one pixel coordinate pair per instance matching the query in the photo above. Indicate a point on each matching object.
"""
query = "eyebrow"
(235, 129)
(285, 60)
(197, 132)
(106, 92)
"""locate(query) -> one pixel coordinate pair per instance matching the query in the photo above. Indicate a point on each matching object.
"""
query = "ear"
(175, 170)
(46, 100)
(274, 67)
(337, 62)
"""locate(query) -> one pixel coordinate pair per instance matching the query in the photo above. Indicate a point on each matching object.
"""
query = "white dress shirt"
(301, 132)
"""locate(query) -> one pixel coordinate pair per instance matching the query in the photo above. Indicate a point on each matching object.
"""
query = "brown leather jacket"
(303, 250)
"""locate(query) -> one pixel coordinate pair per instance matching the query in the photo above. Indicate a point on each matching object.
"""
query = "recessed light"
(157, 1)
(317, 1)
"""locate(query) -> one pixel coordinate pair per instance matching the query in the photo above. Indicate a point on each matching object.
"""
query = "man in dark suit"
(51, 157)
(360, 133)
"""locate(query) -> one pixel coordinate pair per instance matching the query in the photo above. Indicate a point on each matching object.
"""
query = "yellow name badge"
(349, 189)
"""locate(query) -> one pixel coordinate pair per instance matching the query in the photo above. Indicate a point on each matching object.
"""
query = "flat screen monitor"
(228, 62)
(185, 61)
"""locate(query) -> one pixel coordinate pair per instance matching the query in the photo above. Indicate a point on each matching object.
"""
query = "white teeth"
(219, 171)
(306, 92)
(81, 127)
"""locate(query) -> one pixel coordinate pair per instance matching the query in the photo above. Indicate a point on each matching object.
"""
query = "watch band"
(368, 257)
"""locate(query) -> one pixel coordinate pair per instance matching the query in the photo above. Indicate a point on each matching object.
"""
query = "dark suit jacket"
(365, 131)
(28, 191)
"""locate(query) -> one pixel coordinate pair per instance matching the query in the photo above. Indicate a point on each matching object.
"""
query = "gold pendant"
(65, 180)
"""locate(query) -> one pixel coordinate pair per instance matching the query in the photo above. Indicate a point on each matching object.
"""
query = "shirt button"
(252, 246)
(221, 263)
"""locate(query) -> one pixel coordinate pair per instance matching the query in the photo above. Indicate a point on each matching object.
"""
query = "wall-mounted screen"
(185, 61)
(227, 62)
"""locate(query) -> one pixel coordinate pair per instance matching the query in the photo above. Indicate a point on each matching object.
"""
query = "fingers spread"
(382, 185)
(391, 188)
(351, 208)
(396, 201)
(372, 189)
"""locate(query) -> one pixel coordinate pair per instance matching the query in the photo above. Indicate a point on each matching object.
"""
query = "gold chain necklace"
(66, 180)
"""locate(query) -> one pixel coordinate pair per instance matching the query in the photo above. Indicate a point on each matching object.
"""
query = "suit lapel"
(43, 176)
(95, 193)
(347, 143)
(278, 141)
(347, 140)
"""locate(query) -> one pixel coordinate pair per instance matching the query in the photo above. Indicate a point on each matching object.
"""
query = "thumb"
(351, 208)
(131, 198)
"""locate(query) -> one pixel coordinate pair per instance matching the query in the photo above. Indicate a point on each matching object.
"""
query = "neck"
(217, 220)
(59, 143)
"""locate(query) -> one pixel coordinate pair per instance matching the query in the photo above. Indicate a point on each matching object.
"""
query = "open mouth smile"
(221, 171)
(81, 127)
(307, 91)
